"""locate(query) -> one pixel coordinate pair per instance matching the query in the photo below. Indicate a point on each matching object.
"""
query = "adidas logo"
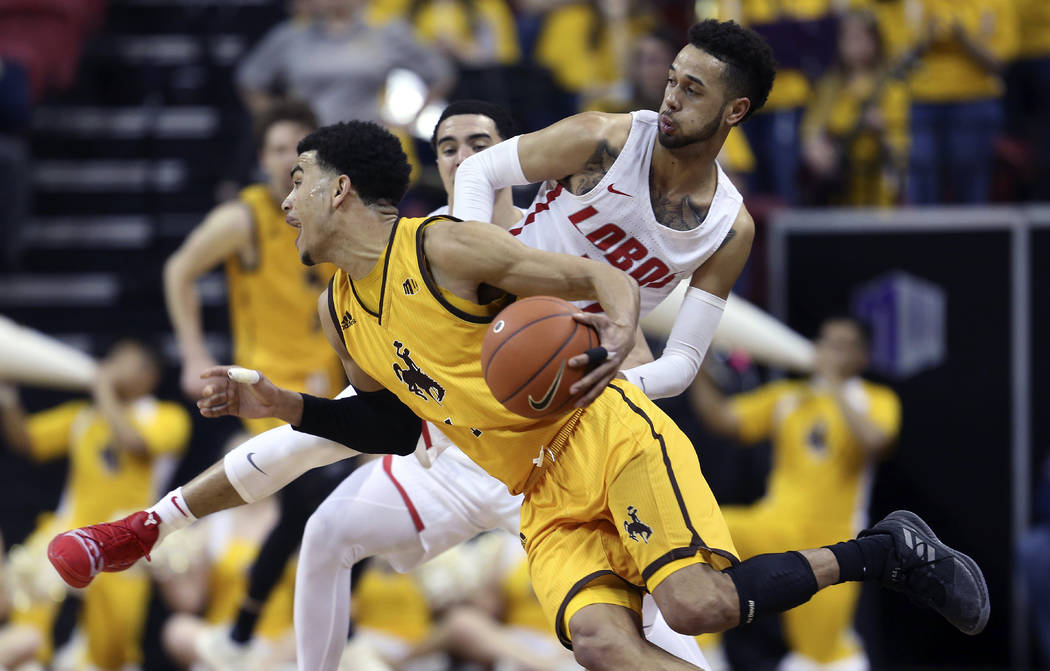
(347, 321)
(410, 286)
(919, 547)
(150, 520)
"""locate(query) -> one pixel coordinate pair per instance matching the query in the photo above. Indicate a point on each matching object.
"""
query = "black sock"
(244, 625)
(862, 558)
(772, 583)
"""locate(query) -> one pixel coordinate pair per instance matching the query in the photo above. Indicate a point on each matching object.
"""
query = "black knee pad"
(772, 583)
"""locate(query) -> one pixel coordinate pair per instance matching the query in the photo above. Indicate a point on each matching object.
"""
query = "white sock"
(173, 513)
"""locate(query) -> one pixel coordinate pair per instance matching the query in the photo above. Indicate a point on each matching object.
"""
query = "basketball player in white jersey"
(644, 192)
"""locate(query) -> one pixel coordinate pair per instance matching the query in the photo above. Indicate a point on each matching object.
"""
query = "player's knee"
(704, 612)
(321, 534)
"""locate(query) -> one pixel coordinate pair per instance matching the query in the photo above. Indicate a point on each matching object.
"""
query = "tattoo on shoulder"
(729, 236)
(682, 215)
(593, 170)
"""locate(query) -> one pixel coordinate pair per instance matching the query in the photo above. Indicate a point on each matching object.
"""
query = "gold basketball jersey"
(424, 344)
(273, 305)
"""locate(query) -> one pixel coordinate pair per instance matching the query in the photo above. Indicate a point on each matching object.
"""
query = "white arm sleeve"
(481, 175)
(265, 463)
(691, 335)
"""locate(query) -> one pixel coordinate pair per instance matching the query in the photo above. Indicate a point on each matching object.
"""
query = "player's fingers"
(212, 400)
(215, 371)
(588, 381)
(243, 375)
(591, 358)
(595, 319)
(214, 412)
(596, 389)
(214, 403)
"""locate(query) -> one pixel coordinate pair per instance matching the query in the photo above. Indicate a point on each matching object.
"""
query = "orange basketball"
(526, 352)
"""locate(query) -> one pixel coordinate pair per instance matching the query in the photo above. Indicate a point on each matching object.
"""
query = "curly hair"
(505, 125)
(366, 153)
(750, 66)
(294, 111)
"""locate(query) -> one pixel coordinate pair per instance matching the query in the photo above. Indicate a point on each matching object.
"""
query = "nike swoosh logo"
(252, 462)
(175, 500)
(542, 404)
(621, 193)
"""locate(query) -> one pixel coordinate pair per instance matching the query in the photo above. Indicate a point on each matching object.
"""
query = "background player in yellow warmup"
(273, 324)
(828, 432)
(271, 295)
(116, 446)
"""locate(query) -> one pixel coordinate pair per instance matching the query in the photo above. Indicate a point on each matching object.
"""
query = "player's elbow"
(472, 166)
(176, 271)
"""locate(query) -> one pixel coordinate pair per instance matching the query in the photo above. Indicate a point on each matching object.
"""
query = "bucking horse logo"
(636, 526)
(418, 382)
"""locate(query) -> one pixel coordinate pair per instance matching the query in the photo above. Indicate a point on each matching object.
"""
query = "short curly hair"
(750, 66)
(505, 125)
(365, 152)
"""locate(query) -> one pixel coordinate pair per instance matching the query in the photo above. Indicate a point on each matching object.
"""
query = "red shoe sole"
(63, 552)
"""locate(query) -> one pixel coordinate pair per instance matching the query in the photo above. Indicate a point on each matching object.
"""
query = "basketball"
(526, 351)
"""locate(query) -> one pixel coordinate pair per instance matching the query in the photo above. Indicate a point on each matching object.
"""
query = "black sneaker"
(932, 574)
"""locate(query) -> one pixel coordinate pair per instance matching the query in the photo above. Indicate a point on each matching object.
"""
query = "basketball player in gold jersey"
(270, 293)
(828, 434)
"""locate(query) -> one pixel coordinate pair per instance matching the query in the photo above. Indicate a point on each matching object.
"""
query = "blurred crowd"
(876, 102)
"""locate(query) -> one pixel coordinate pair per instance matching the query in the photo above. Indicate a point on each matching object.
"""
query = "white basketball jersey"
(614, 222)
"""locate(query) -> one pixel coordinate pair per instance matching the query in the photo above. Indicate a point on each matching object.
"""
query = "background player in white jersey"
(397, 508)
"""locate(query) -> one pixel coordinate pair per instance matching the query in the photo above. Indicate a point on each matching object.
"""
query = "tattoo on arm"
(729, 236)
(593, 170)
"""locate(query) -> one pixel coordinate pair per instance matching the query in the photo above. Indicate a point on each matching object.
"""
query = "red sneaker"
(79, 555)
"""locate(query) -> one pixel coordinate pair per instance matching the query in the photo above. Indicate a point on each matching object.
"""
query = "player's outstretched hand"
(224, 395)
(616, 340)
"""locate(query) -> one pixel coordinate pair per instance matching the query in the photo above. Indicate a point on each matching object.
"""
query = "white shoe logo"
(921, 548)
(91, 549)
(151, 520)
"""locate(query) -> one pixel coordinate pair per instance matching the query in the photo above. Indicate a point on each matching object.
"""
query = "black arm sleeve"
(372, 422)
